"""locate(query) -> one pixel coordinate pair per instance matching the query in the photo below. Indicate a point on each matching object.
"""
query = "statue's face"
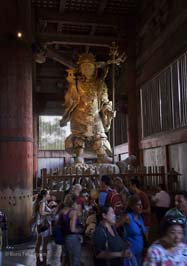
(87, 69)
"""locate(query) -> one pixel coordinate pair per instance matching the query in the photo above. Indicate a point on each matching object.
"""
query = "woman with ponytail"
(42, 212)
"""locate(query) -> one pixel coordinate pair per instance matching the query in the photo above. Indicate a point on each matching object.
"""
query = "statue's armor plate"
(86, 120)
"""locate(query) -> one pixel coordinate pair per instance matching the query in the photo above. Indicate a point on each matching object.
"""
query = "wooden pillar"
(16, 132)
(35, 147)
(132, 100)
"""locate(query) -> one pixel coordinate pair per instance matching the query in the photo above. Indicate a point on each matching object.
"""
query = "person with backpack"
(115, 200)
(109, 196)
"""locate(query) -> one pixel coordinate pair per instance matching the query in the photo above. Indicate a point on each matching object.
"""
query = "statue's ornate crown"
(86, 58)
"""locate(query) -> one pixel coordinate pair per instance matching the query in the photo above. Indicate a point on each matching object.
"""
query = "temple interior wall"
(161, 40)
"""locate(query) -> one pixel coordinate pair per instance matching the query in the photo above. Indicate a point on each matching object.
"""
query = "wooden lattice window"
(164, 99)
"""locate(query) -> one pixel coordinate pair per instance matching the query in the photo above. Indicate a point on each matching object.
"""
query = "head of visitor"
(106, 181)
(106, 215)
(181, 201)
(118, 184)
(70, 201)
(135, 204)
(134, 185)
(173, 230)
(77, 188)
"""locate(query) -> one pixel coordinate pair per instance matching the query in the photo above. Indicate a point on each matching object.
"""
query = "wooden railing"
(148, 176)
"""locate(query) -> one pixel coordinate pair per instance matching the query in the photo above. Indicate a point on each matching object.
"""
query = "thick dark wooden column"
(16, 131)
(132, 100)
(35, 147)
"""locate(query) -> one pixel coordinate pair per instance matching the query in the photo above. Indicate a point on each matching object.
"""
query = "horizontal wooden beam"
(62, 59)
(166, 138)
(79, 39)
(62, 6)
(102, 7)
(84, 18)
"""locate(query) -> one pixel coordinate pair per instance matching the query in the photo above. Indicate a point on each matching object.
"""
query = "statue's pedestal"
(91, 169)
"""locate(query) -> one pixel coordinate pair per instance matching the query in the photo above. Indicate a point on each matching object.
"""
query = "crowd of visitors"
(115, 221)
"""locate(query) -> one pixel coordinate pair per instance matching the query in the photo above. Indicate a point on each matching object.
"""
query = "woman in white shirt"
(162, 202)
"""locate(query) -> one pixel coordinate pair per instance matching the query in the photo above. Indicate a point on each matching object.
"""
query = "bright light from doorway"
(51, 135)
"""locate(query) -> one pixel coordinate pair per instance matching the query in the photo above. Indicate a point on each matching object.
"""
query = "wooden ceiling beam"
(102, 7)
(93, 29)
(61, 10)
(70, 39)
(83, 18)
(62, 6)
(64, 60)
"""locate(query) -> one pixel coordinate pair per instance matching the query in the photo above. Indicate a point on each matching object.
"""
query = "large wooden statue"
(89, 111)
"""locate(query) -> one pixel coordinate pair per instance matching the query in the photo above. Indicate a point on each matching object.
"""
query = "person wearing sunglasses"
(170, 248)
(180, 210)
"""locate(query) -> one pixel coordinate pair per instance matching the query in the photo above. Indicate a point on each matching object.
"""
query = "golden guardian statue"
(89, 111)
